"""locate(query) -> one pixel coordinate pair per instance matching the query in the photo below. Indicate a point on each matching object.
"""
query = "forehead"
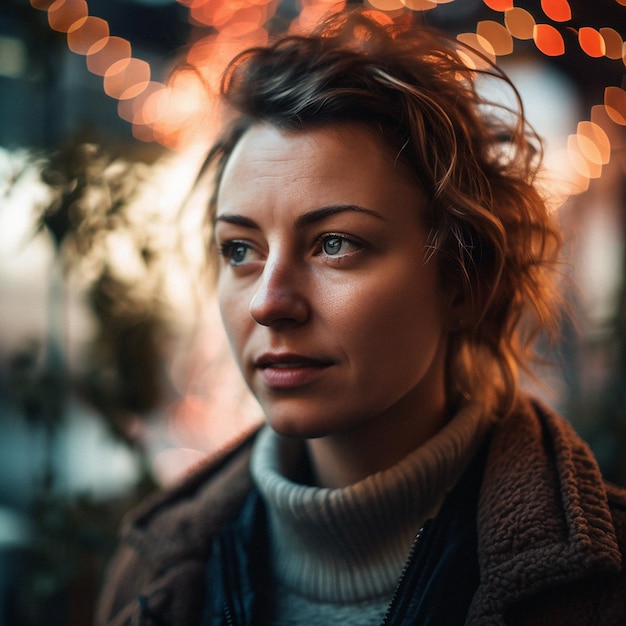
(340, 163)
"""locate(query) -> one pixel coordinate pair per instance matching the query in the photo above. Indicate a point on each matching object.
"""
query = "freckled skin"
(349, 288)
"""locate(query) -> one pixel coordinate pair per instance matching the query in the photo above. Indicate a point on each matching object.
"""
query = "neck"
(345, 458)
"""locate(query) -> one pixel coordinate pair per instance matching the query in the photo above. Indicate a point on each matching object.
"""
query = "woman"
(385, 262)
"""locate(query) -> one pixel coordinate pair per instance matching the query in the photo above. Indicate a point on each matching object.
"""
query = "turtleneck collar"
(350, 544)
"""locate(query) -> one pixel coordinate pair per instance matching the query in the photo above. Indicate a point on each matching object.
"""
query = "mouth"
(291, 371)
(290, 361)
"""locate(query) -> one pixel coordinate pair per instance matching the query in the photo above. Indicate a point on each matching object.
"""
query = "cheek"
(393, 316)
(234, 313)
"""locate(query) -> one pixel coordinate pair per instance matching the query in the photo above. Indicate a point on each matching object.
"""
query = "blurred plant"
(114, 245)
(109, 235)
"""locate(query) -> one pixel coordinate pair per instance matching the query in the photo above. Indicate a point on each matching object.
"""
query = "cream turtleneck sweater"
(348, 546)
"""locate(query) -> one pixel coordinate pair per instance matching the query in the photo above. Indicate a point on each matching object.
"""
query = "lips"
(288, 371)
(286, 361)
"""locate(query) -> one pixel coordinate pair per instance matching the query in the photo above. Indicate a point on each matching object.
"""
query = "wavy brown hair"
(490, 230)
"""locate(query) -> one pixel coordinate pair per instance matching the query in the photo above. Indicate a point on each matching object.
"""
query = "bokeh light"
(577, 148)
(389, 6)
(419, 5)
(548, 40)
(126, 78)
(481, 45)
(86, 32)
(520, 23)
(63, 13)
(104, 53)
(615, 103)
(42, 5)
(591, 41)
(499, 38)
(601, 145)
(613, 43)
(499, 5)
(557, 10)
(182, 109)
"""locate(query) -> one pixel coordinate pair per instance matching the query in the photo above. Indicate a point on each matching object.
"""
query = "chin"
(297, 427)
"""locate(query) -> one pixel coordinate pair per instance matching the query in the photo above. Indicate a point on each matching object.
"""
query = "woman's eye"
(337, 245)
(235, 252)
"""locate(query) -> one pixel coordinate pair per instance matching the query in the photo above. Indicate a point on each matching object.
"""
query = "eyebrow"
(311, 217)
(317, 215)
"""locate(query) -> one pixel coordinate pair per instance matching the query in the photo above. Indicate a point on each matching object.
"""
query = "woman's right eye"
(236, 252)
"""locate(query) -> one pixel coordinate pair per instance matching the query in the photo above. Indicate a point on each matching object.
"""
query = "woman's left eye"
(337, 245)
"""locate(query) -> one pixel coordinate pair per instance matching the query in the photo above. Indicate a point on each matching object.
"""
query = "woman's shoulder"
(164, 542)
(202, 493)
(552, 533)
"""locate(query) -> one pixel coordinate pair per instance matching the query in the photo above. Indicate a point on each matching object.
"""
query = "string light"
(557, 10)
(171, 113)
(548, 40)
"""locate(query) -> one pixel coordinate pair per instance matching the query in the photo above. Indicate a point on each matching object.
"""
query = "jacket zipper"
(228, 614)
(407, 565)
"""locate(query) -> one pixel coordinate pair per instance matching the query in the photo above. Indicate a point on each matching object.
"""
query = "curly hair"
(489, 228)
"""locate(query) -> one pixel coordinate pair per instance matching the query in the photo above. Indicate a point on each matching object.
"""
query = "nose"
(280, 299)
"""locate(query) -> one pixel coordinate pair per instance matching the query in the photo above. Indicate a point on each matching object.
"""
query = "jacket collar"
(189, 514)
(543, 515)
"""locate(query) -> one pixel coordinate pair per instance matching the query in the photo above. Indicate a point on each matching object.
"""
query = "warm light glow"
(168, 113)
(146, 134)
(63, 13)
(136, 110)
(203, 12)
(548, 40)
(520, 23)
(578, 159)
(177, 114)
(591, 153)
(499, 5)
(241, 29)
(217, 14)
(481, 45)
(563, 180)
(557, 10)
(600, 116)
(85, 33)
(615, 103)
(381, 18)
(497, 35)
(42, 5)
(312, 11)
(101, 57)
(224, 13)
(613, 42)
(419, 5)
(192, 3)
(385, 5)
(591, 42)
(126, 78)
(171, 465)
(601, 151)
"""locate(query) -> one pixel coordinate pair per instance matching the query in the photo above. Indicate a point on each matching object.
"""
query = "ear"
(461, 310)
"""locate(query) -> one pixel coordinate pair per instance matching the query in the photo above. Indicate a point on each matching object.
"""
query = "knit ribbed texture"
(349, 545)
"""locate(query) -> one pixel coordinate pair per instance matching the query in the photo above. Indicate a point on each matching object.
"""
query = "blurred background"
(114, 373)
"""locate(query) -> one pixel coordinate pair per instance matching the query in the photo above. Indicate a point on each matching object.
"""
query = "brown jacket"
(551, 535)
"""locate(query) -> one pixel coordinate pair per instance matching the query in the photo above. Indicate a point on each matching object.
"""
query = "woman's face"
(334, 317)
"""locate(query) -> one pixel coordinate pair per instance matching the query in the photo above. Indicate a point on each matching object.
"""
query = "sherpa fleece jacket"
(551, 535)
